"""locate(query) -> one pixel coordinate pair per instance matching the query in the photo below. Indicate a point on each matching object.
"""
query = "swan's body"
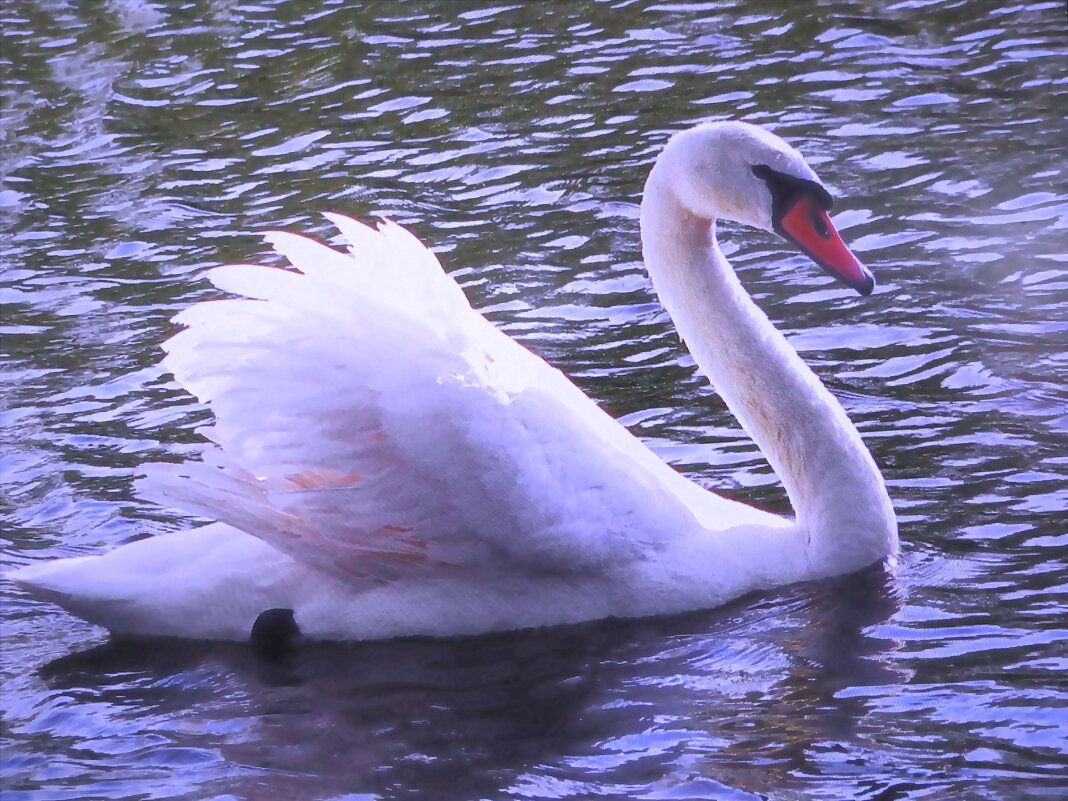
(388, 463)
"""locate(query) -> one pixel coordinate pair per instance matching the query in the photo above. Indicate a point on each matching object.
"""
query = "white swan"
(387, 463)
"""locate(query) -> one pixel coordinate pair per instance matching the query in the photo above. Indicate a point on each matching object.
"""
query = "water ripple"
(145, 143)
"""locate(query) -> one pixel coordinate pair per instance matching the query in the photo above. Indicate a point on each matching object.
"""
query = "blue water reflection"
(143, 143)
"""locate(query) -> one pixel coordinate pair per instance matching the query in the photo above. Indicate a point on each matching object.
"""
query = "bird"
(384, 462)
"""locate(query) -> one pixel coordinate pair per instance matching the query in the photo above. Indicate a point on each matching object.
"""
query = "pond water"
(145, 142)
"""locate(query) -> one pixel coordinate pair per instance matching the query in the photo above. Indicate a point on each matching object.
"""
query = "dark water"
(143, 143)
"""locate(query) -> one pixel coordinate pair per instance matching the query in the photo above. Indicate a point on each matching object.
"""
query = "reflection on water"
(142, 143)
(474, 717)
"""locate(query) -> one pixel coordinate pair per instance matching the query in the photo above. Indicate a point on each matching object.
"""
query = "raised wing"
(370, 422)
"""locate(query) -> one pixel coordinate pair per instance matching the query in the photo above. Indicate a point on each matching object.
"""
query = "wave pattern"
(144, 143)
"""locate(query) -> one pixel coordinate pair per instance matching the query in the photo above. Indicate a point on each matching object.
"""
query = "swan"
(384, 462)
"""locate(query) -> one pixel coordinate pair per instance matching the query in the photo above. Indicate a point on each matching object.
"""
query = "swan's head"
(737, 171)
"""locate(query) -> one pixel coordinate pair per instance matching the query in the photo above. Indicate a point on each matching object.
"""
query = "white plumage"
(386, 462)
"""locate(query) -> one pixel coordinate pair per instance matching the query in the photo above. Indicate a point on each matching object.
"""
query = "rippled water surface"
(144, 142)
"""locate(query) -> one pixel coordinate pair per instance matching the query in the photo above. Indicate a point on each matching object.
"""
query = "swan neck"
(831, 479)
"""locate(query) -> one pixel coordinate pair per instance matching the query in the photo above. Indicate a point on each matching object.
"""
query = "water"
(143, 143)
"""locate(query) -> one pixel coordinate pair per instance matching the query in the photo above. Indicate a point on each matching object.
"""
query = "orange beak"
(807, 225)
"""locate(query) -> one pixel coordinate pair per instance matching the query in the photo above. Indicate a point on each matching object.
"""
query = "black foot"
(274, 633)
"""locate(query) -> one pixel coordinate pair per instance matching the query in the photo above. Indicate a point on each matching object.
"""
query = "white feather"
(365, 416)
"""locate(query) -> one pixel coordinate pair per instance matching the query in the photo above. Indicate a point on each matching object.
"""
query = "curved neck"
(836, 490)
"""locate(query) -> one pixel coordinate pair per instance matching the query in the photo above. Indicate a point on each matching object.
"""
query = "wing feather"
(368, 421)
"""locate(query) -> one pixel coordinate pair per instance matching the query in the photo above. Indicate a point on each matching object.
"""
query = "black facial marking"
(786, 189)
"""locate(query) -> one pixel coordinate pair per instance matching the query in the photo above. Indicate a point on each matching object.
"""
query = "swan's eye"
(819, 224)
